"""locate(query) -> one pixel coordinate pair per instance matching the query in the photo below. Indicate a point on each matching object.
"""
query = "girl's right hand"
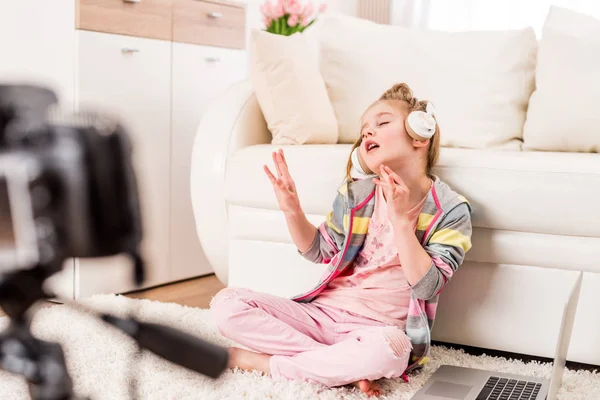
(283, 185)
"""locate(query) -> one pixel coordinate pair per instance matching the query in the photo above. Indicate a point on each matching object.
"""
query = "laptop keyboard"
(509, 389)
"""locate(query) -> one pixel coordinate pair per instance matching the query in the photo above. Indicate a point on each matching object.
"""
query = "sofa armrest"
(232, 122)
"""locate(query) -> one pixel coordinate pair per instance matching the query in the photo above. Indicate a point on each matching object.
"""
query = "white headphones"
(420, 125)
(358, 169)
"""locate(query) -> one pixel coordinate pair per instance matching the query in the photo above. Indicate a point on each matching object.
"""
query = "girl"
(392, 242)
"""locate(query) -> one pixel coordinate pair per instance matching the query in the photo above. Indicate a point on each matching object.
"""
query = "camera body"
(67, 185)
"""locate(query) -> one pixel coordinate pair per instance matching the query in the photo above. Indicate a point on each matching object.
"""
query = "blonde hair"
(401, 92)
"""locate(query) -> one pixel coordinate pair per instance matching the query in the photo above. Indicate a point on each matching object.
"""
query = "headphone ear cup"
(416, 128)
(359, 164)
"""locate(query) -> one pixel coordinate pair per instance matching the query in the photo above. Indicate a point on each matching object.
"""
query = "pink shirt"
(375, 287)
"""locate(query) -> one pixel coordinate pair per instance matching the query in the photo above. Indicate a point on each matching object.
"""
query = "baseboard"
(167, 284)
(477, 351)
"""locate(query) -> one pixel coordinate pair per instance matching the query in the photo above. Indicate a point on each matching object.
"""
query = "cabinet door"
(199, 74)
(37, 44)
(130, 78)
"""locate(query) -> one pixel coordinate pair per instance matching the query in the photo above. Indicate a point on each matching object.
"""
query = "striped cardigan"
(443, 228)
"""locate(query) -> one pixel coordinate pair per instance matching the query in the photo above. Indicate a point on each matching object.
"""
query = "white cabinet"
(159, 90)
(199, 74)
(130, 77)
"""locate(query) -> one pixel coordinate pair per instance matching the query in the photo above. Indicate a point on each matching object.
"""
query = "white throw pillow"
(479, 82)
(290, 90)
(563, 111)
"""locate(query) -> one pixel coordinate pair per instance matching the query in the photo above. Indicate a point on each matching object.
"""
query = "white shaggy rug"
(98, 358)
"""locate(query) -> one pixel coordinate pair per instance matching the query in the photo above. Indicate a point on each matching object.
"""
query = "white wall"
(499, 15)
(37, 44)
(346, 7)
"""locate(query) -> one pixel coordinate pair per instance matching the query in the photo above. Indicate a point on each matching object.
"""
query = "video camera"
(68, 190)
(67, 182)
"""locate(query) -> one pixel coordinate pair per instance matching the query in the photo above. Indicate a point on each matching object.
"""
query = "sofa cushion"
(290, 89)
(543, 192)
(563, 113)
(480, 82)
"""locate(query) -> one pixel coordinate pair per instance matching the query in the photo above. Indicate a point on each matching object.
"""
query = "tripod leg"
(54, 380)
(41, 363)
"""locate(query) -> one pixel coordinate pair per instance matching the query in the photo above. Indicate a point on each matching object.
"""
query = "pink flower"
(306, 20)
(288, 4)
(323, 8)
(266, 21)
(308, 9)
(278, 11)
(295, 9)
(292, 20)
(266, 9)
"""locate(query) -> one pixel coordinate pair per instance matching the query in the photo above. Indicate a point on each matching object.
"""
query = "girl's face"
(384, 137)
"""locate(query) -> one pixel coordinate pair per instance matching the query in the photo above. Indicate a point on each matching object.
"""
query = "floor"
(195, 292)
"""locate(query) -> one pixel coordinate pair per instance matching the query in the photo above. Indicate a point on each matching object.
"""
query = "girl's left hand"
(397, 194)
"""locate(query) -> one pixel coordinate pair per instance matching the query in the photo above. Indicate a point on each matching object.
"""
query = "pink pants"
(310, 342)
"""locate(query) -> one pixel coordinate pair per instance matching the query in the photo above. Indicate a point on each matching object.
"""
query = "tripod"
(41, 363)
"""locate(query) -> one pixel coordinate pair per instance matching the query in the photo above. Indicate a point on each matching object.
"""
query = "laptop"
(458, 383)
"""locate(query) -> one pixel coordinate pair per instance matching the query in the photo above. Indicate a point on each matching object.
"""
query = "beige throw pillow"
(479, 82)
(290, 90)
(563, 111)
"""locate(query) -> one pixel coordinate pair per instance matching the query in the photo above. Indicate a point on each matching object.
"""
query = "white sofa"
(535, 227)
(536, 224)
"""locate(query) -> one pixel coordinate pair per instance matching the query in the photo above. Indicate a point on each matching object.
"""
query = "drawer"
(144, 18)
(219, 24)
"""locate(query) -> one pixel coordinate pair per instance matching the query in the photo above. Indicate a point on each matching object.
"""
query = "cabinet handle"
(215, 15)
(212, 59)
(132, 1)
(129, 50)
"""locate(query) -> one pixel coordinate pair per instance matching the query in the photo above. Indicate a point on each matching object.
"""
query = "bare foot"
(249, 360)
(369, 388)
